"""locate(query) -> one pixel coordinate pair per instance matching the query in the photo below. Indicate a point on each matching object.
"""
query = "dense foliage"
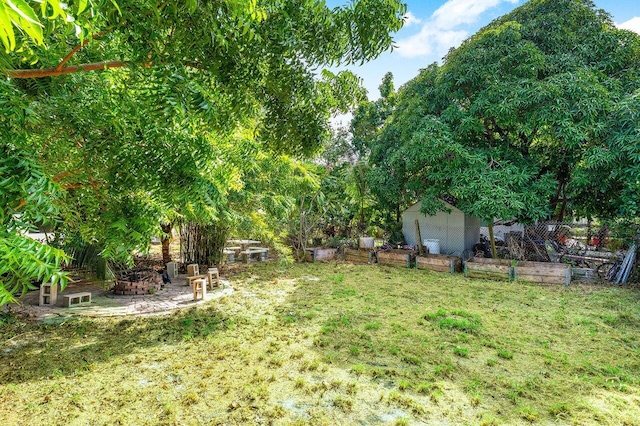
(120, 117)
(535, 116)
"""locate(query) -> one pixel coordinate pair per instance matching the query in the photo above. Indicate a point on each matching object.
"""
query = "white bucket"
(432, 245)
(366, 242)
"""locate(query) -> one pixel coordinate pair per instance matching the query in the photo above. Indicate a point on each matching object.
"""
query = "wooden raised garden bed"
(397, 257)
(542, 272)
(490, 269)
(519, 270)
(316, 254)
(359, 256)
(439, 263)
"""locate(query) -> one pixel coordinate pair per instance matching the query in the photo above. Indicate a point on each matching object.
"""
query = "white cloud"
(430, 40)
(459, 12)
(632, 24)
(440, 32)
(411, 19)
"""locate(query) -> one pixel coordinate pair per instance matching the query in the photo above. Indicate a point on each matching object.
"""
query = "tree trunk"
(303, 234)
(560, 196)
(166, 242)
(563, 207)
(419, 238)
(492, 240)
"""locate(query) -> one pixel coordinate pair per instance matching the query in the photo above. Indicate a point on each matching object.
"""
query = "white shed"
(455, 231)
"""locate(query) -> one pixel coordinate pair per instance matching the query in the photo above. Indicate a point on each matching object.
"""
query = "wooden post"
(494, 253)
(420, 248)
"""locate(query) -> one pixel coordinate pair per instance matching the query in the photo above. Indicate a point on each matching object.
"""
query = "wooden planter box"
(524, 271)
(359, 256)
(315, 254)
(397, 257)
(490, 269)
(542, 272)
(439, 263)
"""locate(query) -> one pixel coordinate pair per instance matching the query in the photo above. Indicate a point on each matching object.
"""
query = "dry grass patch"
(337, 343)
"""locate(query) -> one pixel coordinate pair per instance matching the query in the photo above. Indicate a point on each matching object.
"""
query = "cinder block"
(48, 294)
(193, 270)
(76, 299)
(172, 269)
(213, 277)
(199, 289)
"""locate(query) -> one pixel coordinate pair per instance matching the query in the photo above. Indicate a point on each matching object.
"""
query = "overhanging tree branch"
(76, 49)
(54, 71)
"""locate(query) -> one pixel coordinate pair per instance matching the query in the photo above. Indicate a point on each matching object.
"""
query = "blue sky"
(434, 26)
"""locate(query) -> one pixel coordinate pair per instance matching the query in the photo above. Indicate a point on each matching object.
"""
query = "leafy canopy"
(535, 116)
(119, 116)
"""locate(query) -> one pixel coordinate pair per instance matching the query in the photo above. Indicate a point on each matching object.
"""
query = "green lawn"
(338, 344)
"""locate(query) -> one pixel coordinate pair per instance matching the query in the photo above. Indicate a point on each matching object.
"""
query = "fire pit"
(138, 282)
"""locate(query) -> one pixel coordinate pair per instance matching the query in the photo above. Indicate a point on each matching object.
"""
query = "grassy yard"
(338, 344)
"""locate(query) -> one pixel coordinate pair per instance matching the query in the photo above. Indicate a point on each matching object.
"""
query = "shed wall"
(456, 231)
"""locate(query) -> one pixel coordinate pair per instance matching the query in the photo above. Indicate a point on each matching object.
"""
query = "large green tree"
(117, 116)
(368, 127)
(535, 116)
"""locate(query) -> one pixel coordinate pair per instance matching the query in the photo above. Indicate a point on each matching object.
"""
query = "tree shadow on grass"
(32, 351)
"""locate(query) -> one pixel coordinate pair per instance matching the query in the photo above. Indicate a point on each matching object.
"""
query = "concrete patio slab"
(104, 303)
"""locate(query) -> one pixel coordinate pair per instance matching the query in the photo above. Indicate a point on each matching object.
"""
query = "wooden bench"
(76, 299)
(191, 279)
(246, 255)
